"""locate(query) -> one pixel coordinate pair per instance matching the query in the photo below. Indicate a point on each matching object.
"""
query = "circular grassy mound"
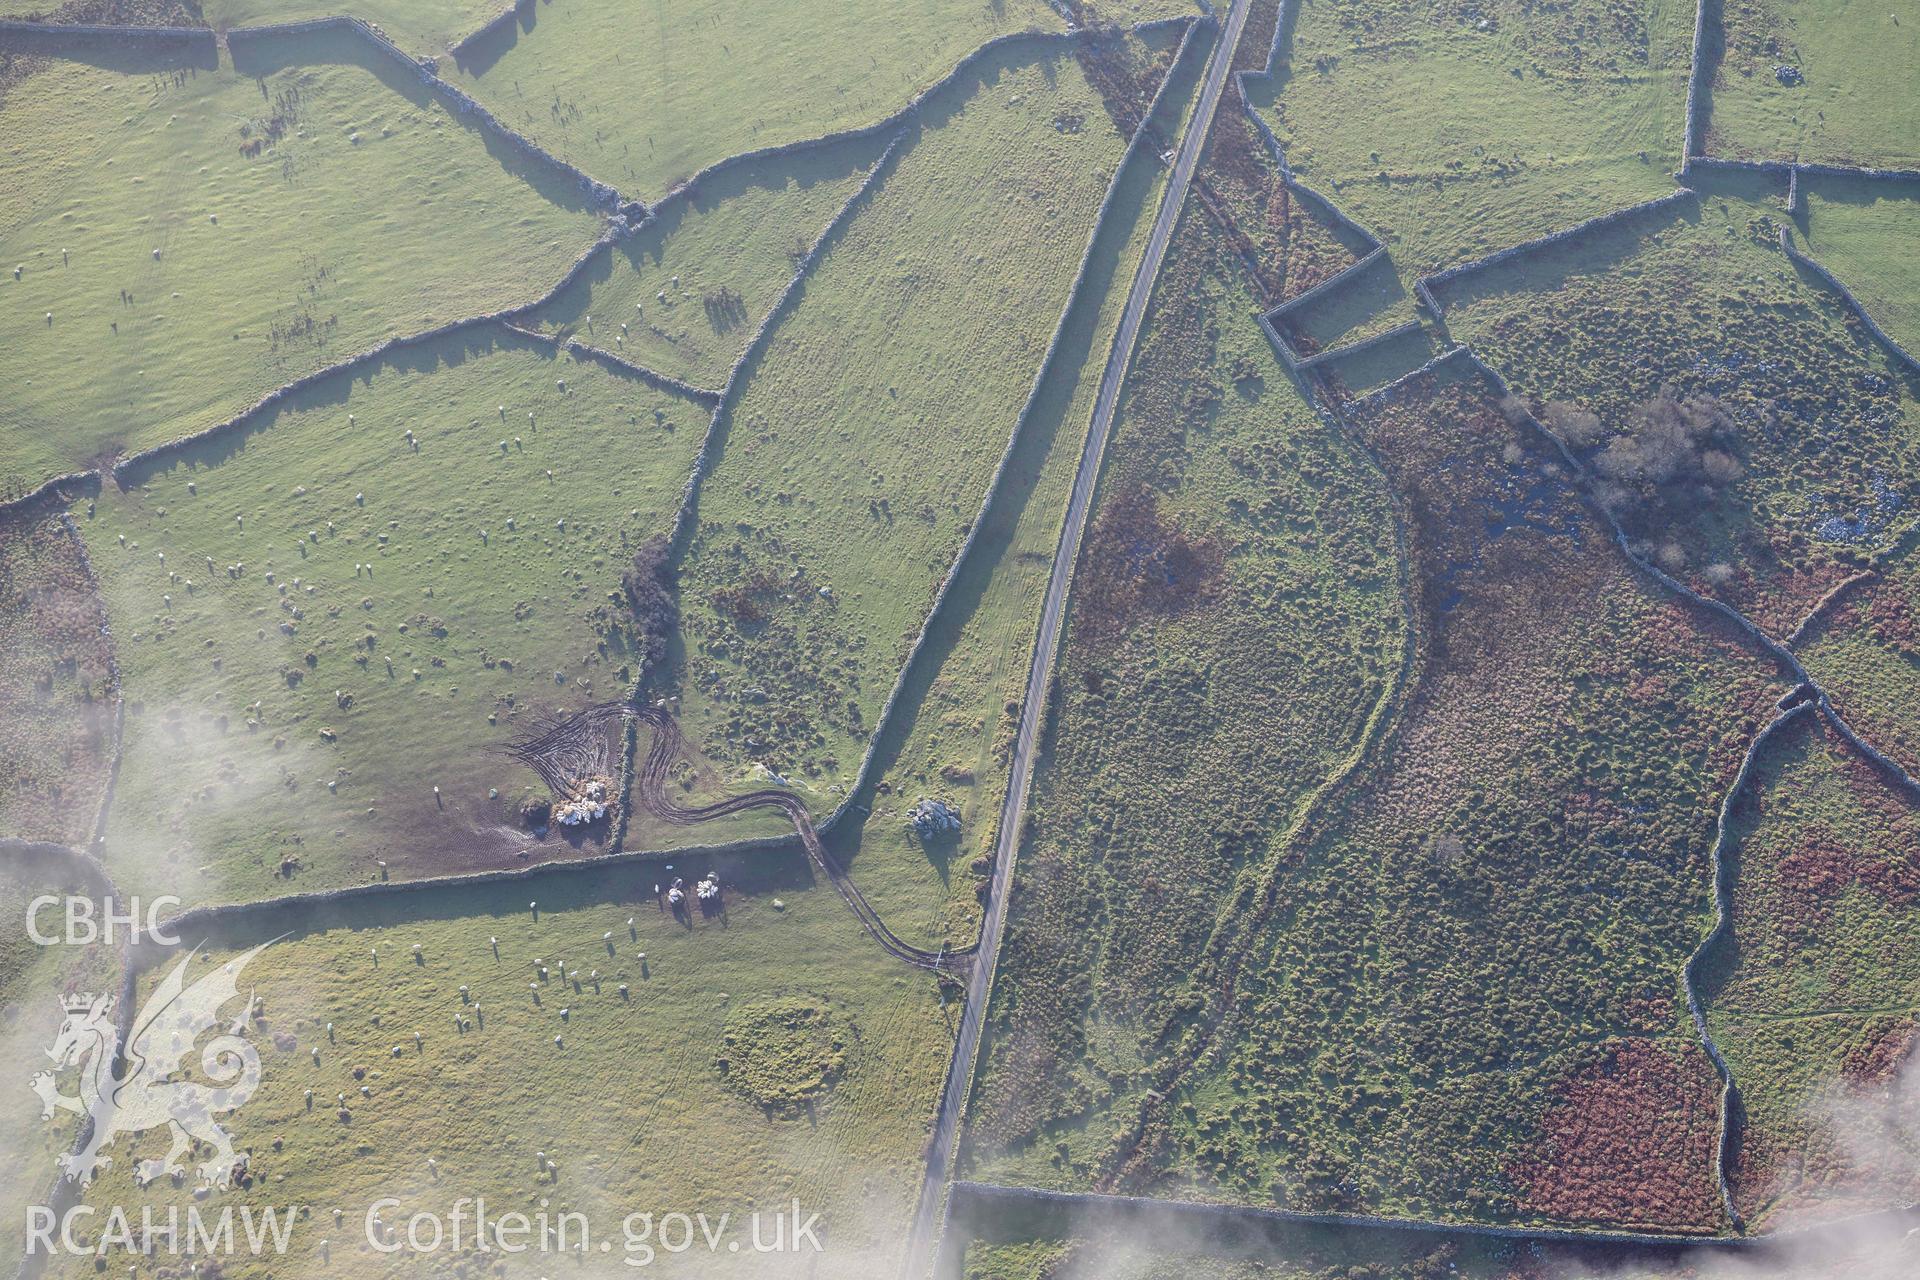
(783, 1052)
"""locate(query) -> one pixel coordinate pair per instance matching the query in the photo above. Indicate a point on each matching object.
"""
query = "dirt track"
(650, 793)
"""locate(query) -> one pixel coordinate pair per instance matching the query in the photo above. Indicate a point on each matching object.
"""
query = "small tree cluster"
(1669, 440)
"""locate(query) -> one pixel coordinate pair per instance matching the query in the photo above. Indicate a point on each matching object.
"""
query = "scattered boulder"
(931, 819)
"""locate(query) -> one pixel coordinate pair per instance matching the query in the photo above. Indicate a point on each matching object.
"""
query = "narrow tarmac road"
(919, 1257)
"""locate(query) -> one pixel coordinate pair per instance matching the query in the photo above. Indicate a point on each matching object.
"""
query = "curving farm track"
(650, 793)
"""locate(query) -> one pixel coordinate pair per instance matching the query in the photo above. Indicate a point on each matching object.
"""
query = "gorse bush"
(652, 607)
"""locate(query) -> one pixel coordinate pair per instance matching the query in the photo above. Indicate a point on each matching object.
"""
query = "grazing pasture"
(953, 731)
(1828, 82)
(1814, 1001)
(333, 618)
(845, 483)
(684, 294)
(595, 1055)
(1749, 434)
(1865, 233)
(34, 980)
(1485, 125)
(421, 27)
(188, 238)
(643, 96)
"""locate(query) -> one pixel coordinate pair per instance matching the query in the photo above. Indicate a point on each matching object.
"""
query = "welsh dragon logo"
(132, 1092)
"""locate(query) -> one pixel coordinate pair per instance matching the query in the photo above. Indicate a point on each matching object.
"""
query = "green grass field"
(845, 486)
(186, 277)
(1061, 1247)
(684, 295)
(1815, 1002)
(1126, 12)
(33, 981)
(626, 1094)
(1814, 434)
(475, 611)
(56, 683)
(643, 96)
(1364, 306)
(1485, 125)
(952, 738)
(1852, 103)
(1864, 233)
(418, 26)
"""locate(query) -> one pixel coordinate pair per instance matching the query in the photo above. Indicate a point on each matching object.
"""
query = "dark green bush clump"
(651, 603)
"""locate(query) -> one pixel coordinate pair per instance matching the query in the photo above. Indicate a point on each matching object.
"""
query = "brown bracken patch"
(1142, 564)
(1628, 1139)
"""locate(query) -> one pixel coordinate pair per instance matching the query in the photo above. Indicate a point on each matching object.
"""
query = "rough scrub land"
(1814, 1000)
(1235, 621)
(58, 686)
(1740, 422)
